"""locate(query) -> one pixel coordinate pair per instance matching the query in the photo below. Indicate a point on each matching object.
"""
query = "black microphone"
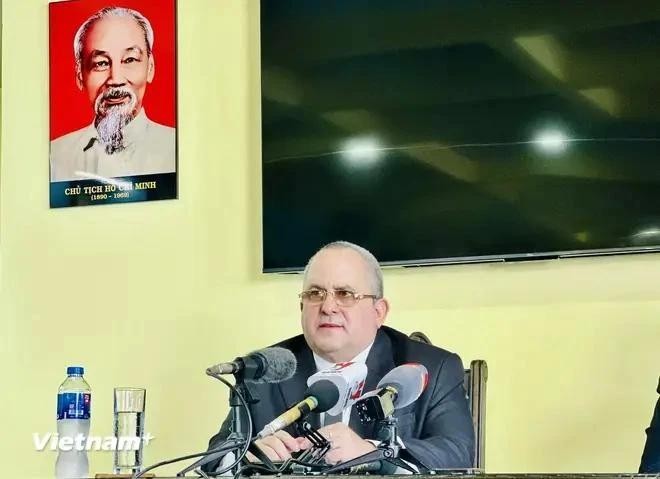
(270, 365)
(320, 396)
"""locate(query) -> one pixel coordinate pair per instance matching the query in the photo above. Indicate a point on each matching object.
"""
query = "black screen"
(433, 131)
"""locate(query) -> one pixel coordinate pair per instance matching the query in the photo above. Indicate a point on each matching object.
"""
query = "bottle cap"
(75, 370)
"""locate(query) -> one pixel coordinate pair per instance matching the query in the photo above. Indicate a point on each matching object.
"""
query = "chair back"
(474, 383)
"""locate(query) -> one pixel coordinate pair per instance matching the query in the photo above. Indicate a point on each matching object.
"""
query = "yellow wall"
(150, 294)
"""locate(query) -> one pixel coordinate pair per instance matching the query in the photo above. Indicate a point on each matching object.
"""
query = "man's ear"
(79, 80)
(382, 308)
(152, 69)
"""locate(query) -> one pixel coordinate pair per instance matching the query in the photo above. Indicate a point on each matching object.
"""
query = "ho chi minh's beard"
(111, 119)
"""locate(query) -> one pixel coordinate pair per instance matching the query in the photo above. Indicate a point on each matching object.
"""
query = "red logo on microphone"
(358, 391)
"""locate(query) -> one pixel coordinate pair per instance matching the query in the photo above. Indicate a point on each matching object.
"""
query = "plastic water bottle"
(74, 401)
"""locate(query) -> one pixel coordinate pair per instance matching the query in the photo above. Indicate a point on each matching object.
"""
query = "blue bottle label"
(73, 405)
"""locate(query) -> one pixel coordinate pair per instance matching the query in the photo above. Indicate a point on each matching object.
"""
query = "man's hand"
(278, 446)
(344, 443)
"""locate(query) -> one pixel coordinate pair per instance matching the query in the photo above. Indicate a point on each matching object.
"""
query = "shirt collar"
(132, 131)
(323, 364)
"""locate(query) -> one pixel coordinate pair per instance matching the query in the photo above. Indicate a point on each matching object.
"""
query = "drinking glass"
(129, 429)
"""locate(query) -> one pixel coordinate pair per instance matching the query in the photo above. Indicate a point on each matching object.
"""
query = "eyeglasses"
(343, 297)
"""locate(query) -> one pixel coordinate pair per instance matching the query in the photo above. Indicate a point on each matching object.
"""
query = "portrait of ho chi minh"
(114, 67)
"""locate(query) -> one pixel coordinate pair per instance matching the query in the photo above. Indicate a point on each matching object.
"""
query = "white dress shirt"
(150, 148)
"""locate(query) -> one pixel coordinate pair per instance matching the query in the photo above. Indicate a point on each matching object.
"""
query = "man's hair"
(106, 12)
(370, 260)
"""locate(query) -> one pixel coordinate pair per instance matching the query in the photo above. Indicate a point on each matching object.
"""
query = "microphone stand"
(388, 451)
(238, 414)
(240, 400)
(311, 460)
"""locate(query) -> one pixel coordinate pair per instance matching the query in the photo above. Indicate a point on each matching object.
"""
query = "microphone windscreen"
(409, 380)
(279, 365)
(326, 394)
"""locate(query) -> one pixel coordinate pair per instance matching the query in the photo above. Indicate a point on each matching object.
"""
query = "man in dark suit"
(651, 456)
(343, 311)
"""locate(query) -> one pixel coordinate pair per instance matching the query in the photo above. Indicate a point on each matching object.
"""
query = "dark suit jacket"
(651, 456)
(436, 429)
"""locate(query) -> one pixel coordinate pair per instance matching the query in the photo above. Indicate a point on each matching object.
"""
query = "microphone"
(349, 379)
(269, 365)
(400, 387)
(320, 396)
(328, 391)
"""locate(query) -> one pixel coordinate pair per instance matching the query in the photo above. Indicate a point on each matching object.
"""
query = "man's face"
(334, 332)
(115, 66)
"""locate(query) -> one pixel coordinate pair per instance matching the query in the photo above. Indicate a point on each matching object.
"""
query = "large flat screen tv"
(437, 131)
